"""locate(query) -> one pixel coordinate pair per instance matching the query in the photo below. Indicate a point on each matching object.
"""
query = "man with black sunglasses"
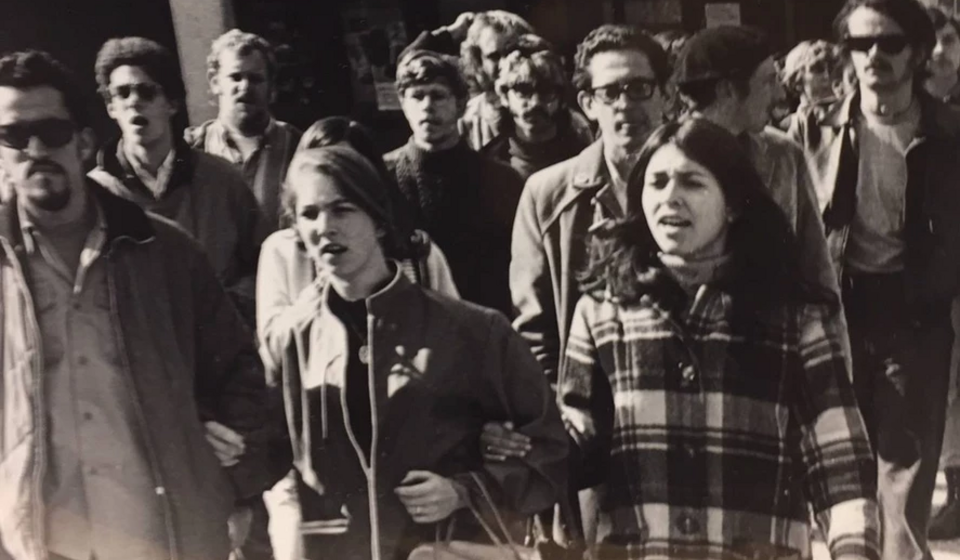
(118, 344)
(727, 75)
(152, 165)
(887, 160)
(538, 131)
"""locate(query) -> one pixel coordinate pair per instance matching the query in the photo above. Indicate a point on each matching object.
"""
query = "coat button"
(160, 490)
(688, 525)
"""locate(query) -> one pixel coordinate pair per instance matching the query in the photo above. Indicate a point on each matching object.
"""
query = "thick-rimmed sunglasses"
(638, 89)
(887, 44)
(54, 133)
(145, 91)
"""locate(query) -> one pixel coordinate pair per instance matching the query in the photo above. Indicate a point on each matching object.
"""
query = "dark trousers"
(901, 365)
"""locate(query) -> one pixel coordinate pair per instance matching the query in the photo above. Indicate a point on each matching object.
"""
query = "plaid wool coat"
(710, 436)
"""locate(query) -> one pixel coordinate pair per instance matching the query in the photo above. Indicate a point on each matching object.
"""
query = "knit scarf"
(432, 180)
(693, 273)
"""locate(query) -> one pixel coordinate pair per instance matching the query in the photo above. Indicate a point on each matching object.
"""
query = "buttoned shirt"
(99, 490)
(264, 169)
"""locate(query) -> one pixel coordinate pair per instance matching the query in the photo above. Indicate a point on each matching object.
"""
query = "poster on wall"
(374, 39)
(717, 14)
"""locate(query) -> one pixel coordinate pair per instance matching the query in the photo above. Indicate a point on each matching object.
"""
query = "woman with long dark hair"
(702, 385)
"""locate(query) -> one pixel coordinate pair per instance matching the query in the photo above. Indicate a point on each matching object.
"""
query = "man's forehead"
(866, 21)
(430, 87)
(617, 65)
(34, 103)
(242, 59)
(128, 74)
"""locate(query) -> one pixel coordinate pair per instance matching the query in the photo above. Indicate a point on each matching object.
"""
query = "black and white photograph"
(479, 280)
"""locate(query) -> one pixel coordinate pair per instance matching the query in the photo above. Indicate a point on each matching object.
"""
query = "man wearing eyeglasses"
(539, 131)
(619, 73)
(727, 76)
(887, 160)
(117, 343)
(153, 166)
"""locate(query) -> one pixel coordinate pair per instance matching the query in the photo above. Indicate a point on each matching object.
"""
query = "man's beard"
(50, 199)
(251, 123)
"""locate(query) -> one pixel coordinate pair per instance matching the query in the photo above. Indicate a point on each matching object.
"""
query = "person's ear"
(586, 102)
(87, 143)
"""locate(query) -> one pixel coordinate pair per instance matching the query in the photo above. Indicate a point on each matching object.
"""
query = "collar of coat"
(387, 297)
(184, 164)
(124, 219)
(937, 120)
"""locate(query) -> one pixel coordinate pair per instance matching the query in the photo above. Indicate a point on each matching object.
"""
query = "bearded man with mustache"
(242, 71)
(539, 131)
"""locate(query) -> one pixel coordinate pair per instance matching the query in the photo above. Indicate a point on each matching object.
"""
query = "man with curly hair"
(809, 72)
(539, 133)
(151, 165)
(242, 71)
(123, 359)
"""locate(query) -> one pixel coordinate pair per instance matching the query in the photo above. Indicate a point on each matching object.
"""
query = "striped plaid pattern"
(718, 439)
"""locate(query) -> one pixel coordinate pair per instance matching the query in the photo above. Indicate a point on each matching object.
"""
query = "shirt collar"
(28, 228)
(262, 141)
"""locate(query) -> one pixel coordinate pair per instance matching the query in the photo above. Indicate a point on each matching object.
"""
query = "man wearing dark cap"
(727, 75)
(153, 166)
(887, 159)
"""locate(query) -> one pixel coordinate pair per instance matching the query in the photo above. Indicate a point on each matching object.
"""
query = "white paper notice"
(727, 13)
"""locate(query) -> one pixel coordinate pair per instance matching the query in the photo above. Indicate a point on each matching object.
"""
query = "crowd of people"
(693, 301)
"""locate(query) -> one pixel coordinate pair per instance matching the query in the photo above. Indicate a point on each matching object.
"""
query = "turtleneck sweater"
(528, 158)
(466, 202)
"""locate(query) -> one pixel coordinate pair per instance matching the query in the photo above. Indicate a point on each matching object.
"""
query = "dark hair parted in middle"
(623, 255)
(152, 57)
(618, 38)
(910, 15)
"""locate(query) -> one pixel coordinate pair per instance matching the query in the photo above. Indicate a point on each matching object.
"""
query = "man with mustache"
(887, 159)
(727, 76)
(151, 165)
(532, 88)
(118, 343)
(242, 71)
(464, 200)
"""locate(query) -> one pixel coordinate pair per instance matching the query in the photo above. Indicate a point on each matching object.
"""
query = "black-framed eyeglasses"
(638, 89)
(887, 44)
(54, 133)
(145, 91)
(526, 90)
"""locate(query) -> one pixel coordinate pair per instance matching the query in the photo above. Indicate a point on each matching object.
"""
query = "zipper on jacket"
(159, 486)
(39, 418)
(369, 465)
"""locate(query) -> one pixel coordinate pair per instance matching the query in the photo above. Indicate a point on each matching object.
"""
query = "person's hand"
(458, 29)
(429, 497)
(238, 526)
(498, 441)
(227, 444)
